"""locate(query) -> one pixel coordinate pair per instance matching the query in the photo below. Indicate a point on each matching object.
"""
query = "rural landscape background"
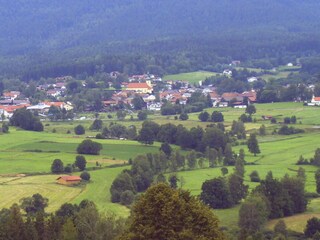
(140, 119)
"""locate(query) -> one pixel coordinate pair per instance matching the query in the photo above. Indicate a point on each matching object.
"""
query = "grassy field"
(192, 77)
(32, 152)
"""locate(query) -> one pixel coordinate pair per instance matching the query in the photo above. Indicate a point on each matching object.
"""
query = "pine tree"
(253, 145)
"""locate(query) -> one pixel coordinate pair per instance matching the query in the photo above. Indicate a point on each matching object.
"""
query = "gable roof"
(69, 178)
(138, 85)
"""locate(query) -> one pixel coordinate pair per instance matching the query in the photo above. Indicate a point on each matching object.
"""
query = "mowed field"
(32, 152)
(192, 77)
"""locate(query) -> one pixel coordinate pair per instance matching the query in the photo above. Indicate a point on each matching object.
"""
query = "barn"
(68, 180)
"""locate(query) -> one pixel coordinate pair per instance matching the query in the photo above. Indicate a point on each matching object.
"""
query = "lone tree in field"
(251, 109)
(79, 130)
(253, 145)
(57, 166)
(217, 117)
(153, 217)
(80, 162)
(89, 147)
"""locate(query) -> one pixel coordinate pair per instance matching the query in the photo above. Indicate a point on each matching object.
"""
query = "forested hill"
(45, 27)
(34, 24)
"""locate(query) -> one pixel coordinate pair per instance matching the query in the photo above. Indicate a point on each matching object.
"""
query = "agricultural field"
(192, 77)
(31, 153)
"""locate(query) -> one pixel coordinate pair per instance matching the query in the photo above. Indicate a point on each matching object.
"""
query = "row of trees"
(58, 166)
(71, 221)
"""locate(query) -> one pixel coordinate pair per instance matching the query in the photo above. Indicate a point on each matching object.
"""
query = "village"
(142, 86)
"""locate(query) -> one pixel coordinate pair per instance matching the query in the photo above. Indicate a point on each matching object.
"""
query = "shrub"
(68, 168)
(254, 176)
(57, 166)
(79, 130)
(96, 125)
(127, 197)
(142, 115)
(80, 162)
(89, 147)
(183, 116)
(85, 176)
(99, 136)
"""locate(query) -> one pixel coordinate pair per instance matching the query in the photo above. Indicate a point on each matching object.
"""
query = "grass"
(192, 77)
(15, 188)
(31, 152)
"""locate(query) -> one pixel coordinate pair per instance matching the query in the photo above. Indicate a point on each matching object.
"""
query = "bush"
(79, 130)
(68, 168)
(183, 116)
(57, 166)
(142, 115)
(80, 162)
(127, 197)
(85, 176)
(96, 125)
(99, 136)
(89, 147)
(285, 130)
(254, 176)
(5, 128)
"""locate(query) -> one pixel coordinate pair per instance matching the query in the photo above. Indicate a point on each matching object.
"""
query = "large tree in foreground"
(166, 213)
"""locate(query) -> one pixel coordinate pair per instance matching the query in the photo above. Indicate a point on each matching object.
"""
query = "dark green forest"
(52, 38)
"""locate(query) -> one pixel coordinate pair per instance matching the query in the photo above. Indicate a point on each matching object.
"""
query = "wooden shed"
(68, 180)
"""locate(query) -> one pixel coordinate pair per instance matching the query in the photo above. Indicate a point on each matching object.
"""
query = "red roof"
(12, 108)
(317, 99)
(57, 104)
(69, 178)
(138, 85)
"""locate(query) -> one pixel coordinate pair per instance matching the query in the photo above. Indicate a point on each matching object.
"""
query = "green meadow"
(192, 77)
(31, 153)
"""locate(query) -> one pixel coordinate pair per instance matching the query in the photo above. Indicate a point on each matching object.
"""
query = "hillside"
(41, 33)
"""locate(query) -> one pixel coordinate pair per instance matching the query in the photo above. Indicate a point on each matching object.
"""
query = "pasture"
(192, 77)
(33, 152)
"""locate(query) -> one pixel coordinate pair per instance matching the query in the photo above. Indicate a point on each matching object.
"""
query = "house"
(11, 95)
(227, 72)
(68, 180)
(252, 79)
(144, 87)
(233, 96)
(315, 101)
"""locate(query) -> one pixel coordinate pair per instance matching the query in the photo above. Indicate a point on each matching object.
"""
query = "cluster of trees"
(71, 221)
(315, 160)
(25, 119)
(225, 192)
(117, 130)
(191, 219)
(286, 130)
(195, 103)
(150, 168)
(196, 138)
(80, 163)
(215, 117)
(273, 198)
(56, 114)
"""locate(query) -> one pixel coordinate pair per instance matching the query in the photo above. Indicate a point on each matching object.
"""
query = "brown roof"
(69, 178)
(138, 85)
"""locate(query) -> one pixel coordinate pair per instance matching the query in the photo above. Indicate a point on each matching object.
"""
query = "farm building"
(68, 180)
